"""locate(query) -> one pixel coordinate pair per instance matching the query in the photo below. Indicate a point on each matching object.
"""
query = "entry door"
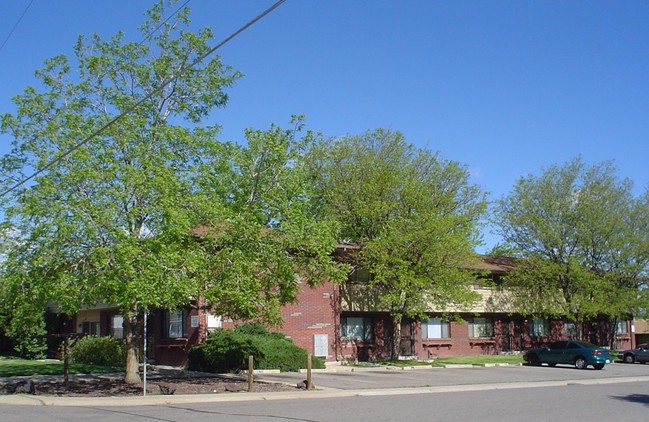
(407, 343)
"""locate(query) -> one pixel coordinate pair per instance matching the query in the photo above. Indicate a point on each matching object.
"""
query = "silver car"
(639, 354)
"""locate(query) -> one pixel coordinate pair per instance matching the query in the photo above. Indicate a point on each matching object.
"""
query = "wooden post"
(250, 373)
(309, 384)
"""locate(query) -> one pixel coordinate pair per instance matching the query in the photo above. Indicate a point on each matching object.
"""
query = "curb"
(22, 399)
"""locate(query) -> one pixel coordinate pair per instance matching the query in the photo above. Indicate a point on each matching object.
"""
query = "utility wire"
(165, 21)
(16, 25)
(145, 98)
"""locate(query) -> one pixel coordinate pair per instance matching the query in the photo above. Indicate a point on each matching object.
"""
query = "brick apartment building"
(343, 323)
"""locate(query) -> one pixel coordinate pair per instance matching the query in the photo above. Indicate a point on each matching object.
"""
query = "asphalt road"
(619, 391)
(604, 402)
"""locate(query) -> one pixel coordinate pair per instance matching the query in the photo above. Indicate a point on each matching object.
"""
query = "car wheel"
(533, 360)
(552, 364)
(580, 363)
(598, 366)
(629, 358)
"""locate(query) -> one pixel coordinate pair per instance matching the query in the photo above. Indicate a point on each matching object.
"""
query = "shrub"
(105, 351)
(228, 350)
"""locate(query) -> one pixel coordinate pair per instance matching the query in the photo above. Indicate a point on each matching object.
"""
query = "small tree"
(111, 220)
(414, 214)
(584, 238)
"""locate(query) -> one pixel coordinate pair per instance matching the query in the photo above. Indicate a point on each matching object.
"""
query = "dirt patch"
(176, 386)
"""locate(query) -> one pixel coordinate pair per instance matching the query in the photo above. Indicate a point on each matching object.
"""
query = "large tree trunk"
(396, 336)
(131, 328)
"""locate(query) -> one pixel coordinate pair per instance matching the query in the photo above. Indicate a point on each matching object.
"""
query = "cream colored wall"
(361, 298)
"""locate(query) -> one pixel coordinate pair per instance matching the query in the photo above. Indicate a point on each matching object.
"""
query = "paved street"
(596, 403)
(445, 394)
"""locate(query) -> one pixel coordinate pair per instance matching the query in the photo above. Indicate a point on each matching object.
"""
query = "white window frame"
(175, 324)
(358, 328)
(570, 329)
(117, 326)
(435, 329)
(539, 327)
(481, 327)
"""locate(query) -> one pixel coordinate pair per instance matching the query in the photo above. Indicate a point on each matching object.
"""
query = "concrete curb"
(23, 399)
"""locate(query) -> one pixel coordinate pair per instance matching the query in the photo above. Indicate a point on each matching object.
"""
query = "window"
(359, 328)
(175, 325)
(622, 327)
(117, 326)
(539, 327)
(90, 328)
(360, 275)
(435, 328)
(481, 328)
(570, 329)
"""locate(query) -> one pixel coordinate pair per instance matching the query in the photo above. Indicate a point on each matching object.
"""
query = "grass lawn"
(479, 360)
(459, 360)
(10, 367)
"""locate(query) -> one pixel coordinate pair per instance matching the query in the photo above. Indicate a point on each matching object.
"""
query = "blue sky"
(504, 87)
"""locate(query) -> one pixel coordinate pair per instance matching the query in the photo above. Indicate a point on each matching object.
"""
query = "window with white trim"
(359, 328)
(435, 328)
(117, 326)
(90, 328)
(175, 324)
(570, 329)
(622, 327)
(481, 328)
(539, 327)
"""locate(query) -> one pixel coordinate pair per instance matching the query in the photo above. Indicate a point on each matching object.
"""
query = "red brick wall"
(313, 313)
(166, 351)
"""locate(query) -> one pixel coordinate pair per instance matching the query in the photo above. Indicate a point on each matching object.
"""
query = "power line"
(16, 25)
(163, 22)
(145, 98)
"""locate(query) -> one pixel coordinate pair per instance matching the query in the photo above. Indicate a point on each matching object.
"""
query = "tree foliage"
(154, 212)
(584, 237)
(414, 214)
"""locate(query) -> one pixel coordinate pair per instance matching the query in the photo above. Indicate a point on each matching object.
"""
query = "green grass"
(479, 360)
(458, 360)
(404, 363)
(10, 367)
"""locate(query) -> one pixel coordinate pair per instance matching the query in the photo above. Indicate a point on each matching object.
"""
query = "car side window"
(558, 345)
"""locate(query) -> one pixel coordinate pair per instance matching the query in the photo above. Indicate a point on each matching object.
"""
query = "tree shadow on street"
(634, 398)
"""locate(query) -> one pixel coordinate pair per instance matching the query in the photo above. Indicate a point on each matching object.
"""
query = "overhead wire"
(166, 82)
(16, 25)
(164, 22)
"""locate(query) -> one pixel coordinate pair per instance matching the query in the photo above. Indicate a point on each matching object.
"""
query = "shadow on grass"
(19, 367)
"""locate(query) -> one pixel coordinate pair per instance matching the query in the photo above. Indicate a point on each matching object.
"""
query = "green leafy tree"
(261, 238)
(583, 236)
(107, 222)
(414, 214)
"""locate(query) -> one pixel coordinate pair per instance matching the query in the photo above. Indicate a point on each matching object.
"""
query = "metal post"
(144, 353)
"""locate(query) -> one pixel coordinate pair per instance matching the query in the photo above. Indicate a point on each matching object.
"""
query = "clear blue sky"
(504, 87)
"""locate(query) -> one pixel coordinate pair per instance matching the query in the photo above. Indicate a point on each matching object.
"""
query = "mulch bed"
(112, 388)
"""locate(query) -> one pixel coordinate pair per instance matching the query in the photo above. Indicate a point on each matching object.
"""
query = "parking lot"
(361, 379)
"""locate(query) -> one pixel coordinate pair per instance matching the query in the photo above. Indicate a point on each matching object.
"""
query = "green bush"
(105, 351)
(228, 350)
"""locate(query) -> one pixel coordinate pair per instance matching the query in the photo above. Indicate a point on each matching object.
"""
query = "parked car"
(639, 354)
(572, 352)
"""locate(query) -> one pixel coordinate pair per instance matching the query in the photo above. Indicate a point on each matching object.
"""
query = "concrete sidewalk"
(373, 383)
